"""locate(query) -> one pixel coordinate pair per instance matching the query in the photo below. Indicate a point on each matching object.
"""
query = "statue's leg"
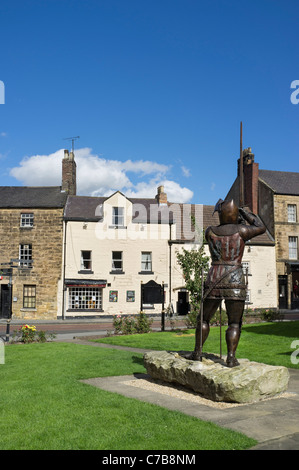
(234, 309)
(209, 308)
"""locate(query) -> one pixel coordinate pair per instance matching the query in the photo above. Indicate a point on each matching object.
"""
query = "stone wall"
(283, 228)
(46, 239)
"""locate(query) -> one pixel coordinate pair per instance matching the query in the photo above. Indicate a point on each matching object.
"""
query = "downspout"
(170, 262)
(63, 275)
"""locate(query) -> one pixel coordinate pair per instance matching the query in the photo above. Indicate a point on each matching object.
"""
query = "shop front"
(293, 275)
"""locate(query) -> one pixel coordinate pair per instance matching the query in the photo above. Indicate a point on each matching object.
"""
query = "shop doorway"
(295, 291)
(183, 303)
(283, 292)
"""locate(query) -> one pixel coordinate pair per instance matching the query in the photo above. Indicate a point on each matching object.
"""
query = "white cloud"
(175, 193)
(3, 134)
(98, 176)
(186, 171)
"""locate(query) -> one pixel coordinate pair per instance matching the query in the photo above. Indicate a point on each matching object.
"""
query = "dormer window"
(118, 216)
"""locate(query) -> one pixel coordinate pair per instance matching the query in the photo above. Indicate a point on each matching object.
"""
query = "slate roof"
(210, 219)
(281, 182)
(83, 208)
(12, 197)
(88, 209)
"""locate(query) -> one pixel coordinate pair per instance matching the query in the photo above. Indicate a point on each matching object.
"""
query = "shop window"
(85, 298)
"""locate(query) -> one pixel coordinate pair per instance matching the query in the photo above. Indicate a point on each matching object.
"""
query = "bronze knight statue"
(225, 278)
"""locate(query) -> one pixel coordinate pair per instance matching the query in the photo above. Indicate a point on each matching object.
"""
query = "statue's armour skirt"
(231, 287)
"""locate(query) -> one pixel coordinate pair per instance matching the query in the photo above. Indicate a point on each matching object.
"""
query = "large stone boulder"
(212, 379)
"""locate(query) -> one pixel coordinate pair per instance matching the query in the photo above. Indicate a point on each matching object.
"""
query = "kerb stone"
(211, 378)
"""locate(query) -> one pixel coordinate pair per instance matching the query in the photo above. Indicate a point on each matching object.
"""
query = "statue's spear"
(241, 180)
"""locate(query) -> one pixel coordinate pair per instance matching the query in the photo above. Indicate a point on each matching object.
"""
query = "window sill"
(85, 271)
(117, 272)
(146, 272)
(85, 310)
(118, 226)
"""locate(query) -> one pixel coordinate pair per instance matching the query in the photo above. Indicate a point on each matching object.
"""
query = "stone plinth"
(211, 378)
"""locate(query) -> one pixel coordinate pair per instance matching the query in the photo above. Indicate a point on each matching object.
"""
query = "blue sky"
(155, 89)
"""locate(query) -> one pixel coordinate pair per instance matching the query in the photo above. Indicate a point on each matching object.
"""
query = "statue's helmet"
(228, 211)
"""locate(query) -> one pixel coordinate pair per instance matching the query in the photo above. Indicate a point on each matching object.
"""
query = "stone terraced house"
(274, 195)
(116, 245)
(31, 236)
(87, 257)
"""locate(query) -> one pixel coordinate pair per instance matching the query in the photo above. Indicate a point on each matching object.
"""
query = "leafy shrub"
(128, 324)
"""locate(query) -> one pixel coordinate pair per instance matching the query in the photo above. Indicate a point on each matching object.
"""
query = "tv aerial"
(73, 140)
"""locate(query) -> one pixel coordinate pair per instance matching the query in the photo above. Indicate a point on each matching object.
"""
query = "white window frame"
(293, 247)
(116, 260)
(292, 213)
(146, 261)
(86, 260)
(245, 264)
(118, 217)
(27, 220)
(29, 296)
(25, 255)
(85, 298)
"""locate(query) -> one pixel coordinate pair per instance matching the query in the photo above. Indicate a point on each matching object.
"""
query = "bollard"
(7, 330)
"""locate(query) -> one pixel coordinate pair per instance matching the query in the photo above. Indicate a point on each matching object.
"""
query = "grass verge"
(44, 406)
(270, 343)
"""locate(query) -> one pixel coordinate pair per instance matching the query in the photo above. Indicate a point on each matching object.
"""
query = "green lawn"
(43, 405)
(264, 342)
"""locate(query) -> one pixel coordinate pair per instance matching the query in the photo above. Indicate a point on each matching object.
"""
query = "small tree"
(192, 262)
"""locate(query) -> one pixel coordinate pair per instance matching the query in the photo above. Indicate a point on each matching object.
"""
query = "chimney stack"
(69, 173)
(251, 176)
(161, 196)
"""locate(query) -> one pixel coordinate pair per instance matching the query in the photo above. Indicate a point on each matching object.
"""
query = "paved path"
(68, 329)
